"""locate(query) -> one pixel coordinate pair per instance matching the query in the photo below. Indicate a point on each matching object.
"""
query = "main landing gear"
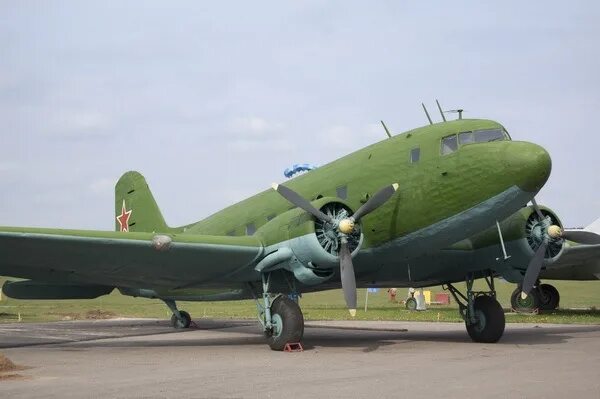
(541, 297)
(180, 318)
(483, 315)
(281, 317)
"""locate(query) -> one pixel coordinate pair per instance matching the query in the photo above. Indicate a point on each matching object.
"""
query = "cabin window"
(415, 155)
(449, 144)
(270, 217)
(250, 229)
(342, 192)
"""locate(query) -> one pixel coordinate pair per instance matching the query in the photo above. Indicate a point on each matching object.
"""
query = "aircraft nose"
(530, 163)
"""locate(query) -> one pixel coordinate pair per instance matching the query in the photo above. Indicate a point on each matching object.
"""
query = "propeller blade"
(376, 201)
(537, 209)
(533, 269)
(581, 236)
(348, 279)
(300, 202)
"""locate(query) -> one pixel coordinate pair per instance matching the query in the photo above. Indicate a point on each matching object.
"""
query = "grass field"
(578, 304)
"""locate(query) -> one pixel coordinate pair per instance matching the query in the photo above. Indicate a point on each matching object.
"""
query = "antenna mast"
(427, 113)
(440, 108)
(386, 129)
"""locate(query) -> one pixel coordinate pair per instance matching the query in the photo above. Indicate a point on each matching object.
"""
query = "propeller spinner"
(345, 227)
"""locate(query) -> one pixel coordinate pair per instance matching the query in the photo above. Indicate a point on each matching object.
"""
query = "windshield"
(482, 136)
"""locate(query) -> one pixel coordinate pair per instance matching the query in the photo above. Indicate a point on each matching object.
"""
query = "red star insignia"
(123, 218)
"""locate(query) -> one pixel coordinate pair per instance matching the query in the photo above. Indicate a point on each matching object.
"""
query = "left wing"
(123, 259)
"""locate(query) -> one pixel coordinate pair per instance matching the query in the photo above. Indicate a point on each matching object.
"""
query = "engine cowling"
(524, 232)
(314, 244)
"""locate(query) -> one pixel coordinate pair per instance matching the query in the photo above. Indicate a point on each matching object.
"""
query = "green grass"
(327, 305)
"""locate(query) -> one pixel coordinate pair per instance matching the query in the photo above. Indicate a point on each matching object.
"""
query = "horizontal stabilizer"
(594, 227)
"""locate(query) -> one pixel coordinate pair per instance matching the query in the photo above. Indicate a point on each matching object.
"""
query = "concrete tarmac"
(229, 359)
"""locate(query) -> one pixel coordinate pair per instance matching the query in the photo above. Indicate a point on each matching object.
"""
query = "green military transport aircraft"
(381, 216)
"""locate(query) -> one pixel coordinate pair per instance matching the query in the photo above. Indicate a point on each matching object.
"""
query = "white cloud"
(102, 186)
(348, 138)
(6, 167)
(254, 126)
(69, 123)
(256, 134)
(260, 146)
(339, 136)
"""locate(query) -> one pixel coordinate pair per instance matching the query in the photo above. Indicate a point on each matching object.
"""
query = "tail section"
(594, 227)
(135, 207)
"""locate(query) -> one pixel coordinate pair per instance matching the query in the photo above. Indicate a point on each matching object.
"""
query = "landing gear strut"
(483, 315)
(281, 317)
(180, 318)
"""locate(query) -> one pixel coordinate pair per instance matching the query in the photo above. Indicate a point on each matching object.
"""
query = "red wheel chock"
(293, 347)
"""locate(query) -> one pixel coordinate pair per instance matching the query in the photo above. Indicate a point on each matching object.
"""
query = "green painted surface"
(132, 190)
(121, 259)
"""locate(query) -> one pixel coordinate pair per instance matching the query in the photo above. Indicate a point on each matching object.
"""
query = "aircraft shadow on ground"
(368, 340)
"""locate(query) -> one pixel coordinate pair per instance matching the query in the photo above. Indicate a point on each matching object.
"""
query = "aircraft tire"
(288, 315)
(527, 305)
(491, 322)
(179, 324)
(549, 298)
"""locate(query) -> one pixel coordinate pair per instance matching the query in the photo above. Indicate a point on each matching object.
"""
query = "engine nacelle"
(311, 247)
(523, 233)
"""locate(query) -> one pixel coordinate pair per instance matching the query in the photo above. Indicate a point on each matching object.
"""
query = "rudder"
(135, 207)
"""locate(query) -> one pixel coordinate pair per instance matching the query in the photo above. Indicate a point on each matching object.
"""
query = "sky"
(211, 101)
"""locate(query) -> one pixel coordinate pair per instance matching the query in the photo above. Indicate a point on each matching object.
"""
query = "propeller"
(533, 269)
(344, 227)
(551, 233)
(581, 236)
(300, 202)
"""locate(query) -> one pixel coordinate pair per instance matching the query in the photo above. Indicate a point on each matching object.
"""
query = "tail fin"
(135, 208)
(594, 227)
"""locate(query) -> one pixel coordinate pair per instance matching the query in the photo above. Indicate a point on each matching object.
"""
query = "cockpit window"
(466, 138)
(482, 136)
(449, 144)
